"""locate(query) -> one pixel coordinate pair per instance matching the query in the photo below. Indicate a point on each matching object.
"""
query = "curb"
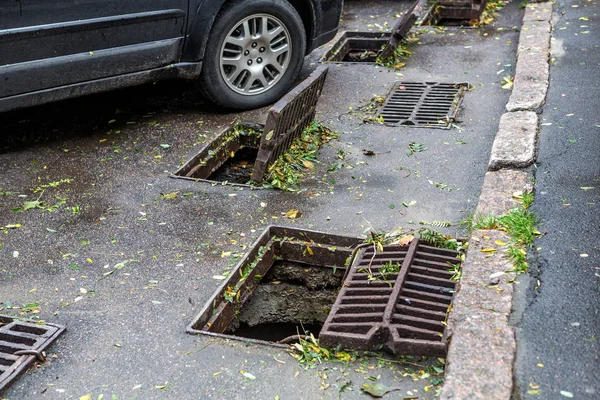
(483, 345)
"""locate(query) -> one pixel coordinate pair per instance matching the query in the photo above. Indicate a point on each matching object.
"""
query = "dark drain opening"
(363, 47)
(274, 332)
(292, 299)
(237, 169)
(463, 13)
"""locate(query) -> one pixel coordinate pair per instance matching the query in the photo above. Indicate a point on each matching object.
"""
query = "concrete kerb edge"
(482, 342)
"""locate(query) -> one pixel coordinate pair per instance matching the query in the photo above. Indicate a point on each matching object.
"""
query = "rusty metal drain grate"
(287, 119)
(397, 299)
(22, 343)
(423, 104)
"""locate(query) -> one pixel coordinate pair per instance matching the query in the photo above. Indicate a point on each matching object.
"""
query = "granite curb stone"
(532, 70)
(515, 142)
(481, 351)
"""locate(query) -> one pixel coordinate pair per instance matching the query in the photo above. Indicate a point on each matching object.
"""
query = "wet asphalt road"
(103, 162)
(558, 334)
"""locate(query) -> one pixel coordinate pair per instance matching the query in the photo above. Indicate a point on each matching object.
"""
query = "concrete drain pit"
(21, 344)
(283, 287)
(229, 158)
(357, 47)
(242, 153)
(368, 47)
(454, 13)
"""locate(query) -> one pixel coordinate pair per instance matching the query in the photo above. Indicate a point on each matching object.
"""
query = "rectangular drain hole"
(20, 344)
(285, 285)
(454, 13)
(357, 47)
(242, 153)
(397, 299)
(423, 104)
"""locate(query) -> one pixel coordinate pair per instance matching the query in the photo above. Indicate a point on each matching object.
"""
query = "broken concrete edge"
(515, 142)
(532, 71)
(482, 348)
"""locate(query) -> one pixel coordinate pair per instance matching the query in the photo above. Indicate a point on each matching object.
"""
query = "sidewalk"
(125, 334)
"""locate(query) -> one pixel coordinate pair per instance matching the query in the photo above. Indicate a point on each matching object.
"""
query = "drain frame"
(350, 40)
(286, 120)
(22, 332)
(276, 242)
(404, 314)
(423, 104)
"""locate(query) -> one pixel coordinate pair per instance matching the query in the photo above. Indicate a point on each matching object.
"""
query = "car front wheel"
(254, 53)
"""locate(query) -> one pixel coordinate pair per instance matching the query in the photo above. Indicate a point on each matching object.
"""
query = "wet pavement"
(98, 170)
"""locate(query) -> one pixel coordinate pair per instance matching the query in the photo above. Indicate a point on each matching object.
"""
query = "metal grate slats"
(429, 104)
(403, 311)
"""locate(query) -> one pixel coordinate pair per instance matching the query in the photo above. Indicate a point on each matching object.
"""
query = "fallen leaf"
(587, 187)
(566, 394)
(247, 375)
(293, 214)
(405, 240)
(488, 250)
(86, 397)
(377, 389)
(500, 243)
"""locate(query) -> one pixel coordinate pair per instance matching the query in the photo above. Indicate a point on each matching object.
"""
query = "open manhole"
(454, 13)
(283, 287)
(243, 152)
(358, 47)
(423, 104)
(21, 344)
(295, 281)
(396, 299)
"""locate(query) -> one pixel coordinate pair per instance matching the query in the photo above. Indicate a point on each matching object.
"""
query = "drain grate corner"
(21, 344)
(397, 299)
(423, 104)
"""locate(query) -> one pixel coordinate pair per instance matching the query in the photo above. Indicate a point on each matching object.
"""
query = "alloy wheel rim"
(255, 54)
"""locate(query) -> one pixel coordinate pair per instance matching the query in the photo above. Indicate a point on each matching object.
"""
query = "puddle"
(357, 47)
(284, 286)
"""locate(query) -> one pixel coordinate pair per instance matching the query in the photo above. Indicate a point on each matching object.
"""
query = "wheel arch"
(204, 12)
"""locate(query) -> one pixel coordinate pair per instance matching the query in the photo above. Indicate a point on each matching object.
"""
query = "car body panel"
(76, 47)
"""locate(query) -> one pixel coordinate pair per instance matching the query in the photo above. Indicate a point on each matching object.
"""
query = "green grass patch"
(286, 172)
(520, 224)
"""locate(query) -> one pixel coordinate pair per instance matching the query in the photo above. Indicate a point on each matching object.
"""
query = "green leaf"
(28, 205)
(377, 389)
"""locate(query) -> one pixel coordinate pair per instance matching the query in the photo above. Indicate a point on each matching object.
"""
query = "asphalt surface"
(558, 333)
(105, 162)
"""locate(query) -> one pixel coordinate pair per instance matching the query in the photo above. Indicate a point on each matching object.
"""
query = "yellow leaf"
(217, 373)
(86, 397)
(309, 250)
(500, 243)
(399, 65)
(488, 250)
(405, 240)
(308, 164)
(293, 214)
(296, 374)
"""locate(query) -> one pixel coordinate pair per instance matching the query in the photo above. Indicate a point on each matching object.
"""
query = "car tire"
(254, 53)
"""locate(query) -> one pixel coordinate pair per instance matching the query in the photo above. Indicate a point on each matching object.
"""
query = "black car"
(242, 53)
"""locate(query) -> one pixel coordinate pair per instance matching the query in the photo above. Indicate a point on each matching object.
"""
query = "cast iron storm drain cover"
(22, 343)
(427, 104)
(321, 255)
(397, 299)
(285, 122)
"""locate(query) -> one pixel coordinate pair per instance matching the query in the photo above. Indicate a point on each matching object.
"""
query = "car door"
(45, 44)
